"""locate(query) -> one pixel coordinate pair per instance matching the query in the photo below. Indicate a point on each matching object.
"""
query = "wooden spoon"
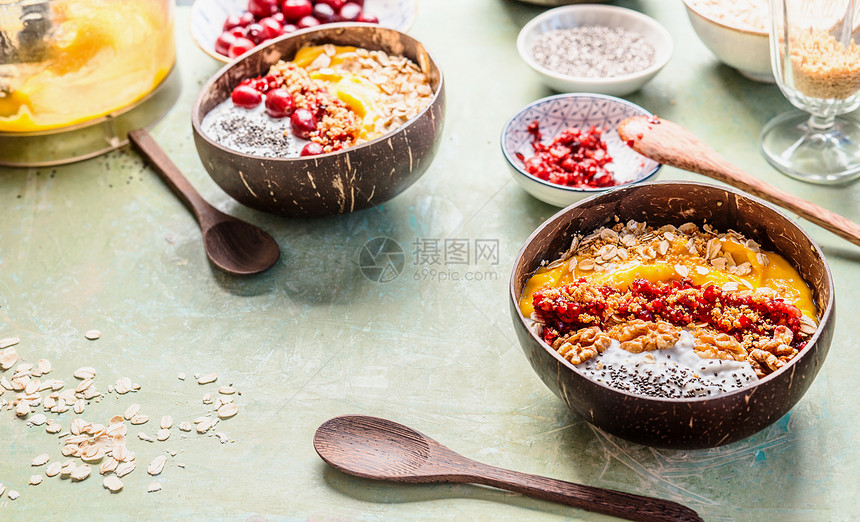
(671, 144)
(375, 448)
(232, 245)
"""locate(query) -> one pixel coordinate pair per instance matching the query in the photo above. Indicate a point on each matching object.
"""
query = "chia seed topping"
(675, 373)
(593, 51)
(251, 131)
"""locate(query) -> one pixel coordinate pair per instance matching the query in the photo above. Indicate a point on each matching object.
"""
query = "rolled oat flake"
(593, 51)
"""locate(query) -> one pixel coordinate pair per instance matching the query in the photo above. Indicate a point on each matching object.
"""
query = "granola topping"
(327, 99)
(639, 289)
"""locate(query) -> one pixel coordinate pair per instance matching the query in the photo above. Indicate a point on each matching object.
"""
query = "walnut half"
(582, 345)
(644, 336)
(718, 345)
(764, 362)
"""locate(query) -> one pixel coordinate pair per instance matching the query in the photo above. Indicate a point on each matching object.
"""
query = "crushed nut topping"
(730, 321)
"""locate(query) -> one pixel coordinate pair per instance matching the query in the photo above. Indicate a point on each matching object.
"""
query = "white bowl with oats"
(595, 48)
(736, 32)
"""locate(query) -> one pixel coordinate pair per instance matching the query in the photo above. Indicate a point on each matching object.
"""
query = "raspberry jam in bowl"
(564, 148)
(674, 314)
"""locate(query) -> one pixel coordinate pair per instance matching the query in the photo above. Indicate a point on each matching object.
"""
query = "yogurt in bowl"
(779, 327)
(671, 312)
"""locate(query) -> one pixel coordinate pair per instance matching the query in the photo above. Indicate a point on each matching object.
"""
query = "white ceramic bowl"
(560, 112)
(589, 14)
(207, 18)
(560, 2)
(744, 49)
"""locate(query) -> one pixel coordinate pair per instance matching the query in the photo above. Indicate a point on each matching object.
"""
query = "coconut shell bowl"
(689, 423)
(338, 182)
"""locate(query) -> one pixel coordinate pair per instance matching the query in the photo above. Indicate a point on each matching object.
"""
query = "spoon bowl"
(231, 244)
(239, 247)
(380, 449)
(374, 448)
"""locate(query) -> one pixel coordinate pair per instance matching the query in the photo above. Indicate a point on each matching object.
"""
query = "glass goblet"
(816, 64)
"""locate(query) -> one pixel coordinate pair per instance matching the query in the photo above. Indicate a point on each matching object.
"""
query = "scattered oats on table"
(81, 472)
(112, 483)
(156, 465)
(206, 379)
(91, 442)
(40, 460)
(53, 469)
(85, 372)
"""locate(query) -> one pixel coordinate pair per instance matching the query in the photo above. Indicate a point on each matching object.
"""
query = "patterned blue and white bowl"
(558, 113)
(207, 18)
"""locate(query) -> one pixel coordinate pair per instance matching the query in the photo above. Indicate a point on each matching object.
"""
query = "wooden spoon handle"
(170, 173)
(599, 500)
(671, 144)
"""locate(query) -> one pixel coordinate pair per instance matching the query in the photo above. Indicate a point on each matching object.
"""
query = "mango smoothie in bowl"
(674, 314)
(68, 66)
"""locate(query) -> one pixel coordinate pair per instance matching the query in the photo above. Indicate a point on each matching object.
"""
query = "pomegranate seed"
(262, 8)
(279, 103)
(324, 13)
(303, 123)
(240, 47)
(334, 4)
(312, 149)
(238, 32)
(246, 97)
(260, 84)
(350, 12)
(246, 19)
(279, 17)
(271, 28)
(368, 18)
(255, 33)
(295, 10)
(290, 28)
(223, 43)
(308, 21)
(232, 21)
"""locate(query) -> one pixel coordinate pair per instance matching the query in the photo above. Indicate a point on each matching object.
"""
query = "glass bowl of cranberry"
(227, 29)
(564, 148)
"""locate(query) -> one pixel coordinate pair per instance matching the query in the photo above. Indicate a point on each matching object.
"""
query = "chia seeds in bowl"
(327, 98)
(671, 312)
(346, 180)
(701, 421)
(672, 373)
(594, 48)
(251, 131)
(593, 51)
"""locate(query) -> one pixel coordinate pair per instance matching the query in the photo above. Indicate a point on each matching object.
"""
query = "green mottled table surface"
(103, 244)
